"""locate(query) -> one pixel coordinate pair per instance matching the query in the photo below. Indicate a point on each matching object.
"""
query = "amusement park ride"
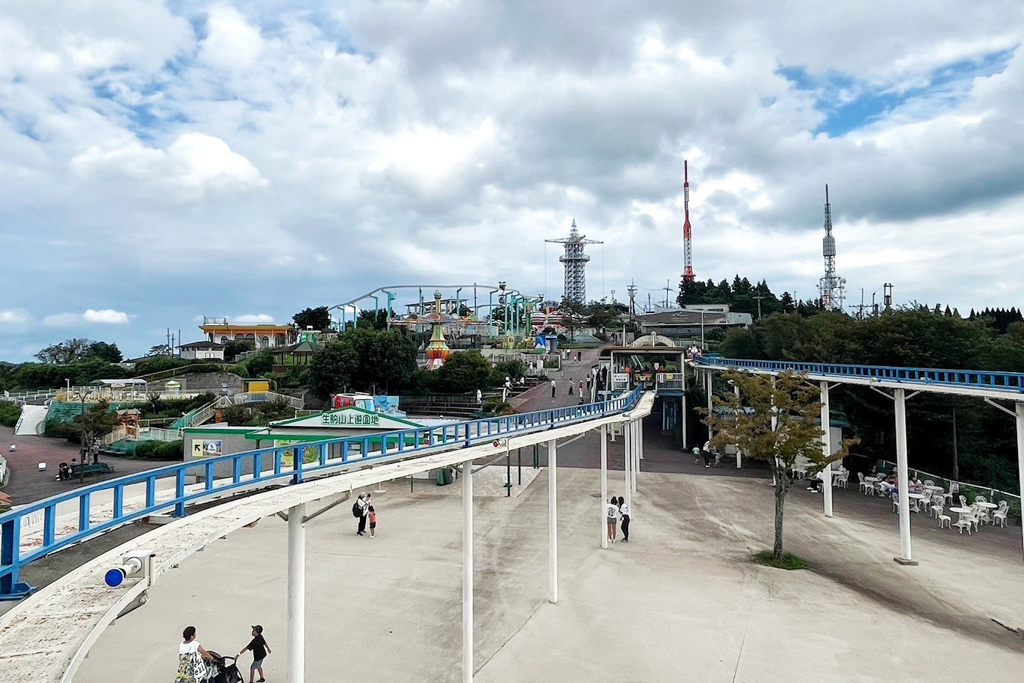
(505, 317)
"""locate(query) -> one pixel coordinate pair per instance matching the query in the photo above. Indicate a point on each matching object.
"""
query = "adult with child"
(259, 648)
(360, 511)
(192, 658)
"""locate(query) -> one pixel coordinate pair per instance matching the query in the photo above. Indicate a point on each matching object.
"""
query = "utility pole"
(668, 291)
(759, 297)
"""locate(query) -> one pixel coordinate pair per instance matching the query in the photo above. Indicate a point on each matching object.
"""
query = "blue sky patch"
(849, 104)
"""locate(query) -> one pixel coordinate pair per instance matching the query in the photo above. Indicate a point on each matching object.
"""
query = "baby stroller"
(223, 670)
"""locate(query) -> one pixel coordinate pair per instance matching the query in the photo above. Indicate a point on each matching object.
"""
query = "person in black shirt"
(260, 650)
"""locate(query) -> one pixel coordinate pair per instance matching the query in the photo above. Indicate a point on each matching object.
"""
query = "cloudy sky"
(165, 160)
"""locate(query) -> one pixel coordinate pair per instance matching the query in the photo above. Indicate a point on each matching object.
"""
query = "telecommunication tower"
(831, 289)
(632, 300)
(575, 263)
(687, 242)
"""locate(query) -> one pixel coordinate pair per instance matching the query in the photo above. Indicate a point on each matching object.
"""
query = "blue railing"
(260, 466)
(977, 379)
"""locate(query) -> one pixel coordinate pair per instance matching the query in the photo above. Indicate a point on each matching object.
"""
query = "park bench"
(88, 469)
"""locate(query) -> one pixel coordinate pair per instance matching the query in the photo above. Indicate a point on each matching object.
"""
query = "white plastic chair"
(980, 499)
(964, 523)
(944, 520)
(963, 501)
(843, 478)
(999, 516)
(864, 486)
(953, 488)
(929, 482)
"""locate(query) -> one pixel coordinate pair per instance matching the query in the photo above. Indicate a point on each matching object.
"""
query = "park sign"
(348, 418)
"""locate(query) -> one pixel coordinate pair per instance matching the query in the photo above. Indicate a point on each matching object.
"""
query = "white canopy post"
(296, 593)
(553, 520)
(1020, 449)
(467, 571)
(826, 448)
(902, 480)
(604, 486)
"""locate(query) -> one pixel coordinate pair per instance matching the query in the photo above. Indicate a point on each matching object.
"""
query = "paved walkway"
(28, 484)
(680, 602)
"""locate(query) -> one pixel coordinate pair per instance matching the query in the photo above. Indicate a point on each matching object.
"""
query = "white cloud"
(105, 316)
(231, 41)
(258, 157)
(192, 165)
(252, 319)
(14, 316)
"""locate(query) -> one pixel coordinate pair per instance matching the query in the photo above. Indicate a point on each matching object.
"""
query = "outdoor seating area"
(927, 496)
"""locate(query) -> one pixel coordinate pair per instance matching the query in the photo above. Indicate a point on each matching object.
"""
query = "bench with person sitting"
(75, 470)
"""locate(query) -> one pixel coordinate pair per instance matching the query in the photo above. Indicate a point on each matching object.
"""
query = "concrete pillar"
(627, 462)
(467, 571)
(604, 486)
(1020, 447)
(553, 520)
(296, 594)
(826, 448)
(739, 455)
(901, 476)
(682, 417)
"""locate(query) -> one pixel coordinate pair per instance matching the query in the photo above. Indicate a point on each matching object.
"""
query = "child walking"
(260, 650)
(373, 522)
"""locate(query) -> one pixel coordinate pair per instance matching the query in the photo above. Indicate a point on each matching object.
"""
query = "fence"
(978, 379)
(4, 472)
(268, 466)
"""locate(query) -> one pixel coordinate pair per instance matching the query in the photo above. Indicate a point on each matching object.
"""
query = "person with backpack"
(359, 512)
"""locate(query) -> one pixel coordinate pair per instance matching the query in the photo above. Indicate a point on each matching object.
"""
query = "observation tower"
(575, 263)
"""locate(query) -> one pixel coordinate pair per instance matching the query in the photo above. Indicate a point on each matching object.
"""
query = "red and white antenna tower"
(687, 242)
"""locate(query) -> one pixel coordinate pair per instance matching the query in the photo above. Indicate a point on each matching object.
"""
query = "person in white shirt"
(818, 483)
(192, 658)
(624, 515)
(613, 518)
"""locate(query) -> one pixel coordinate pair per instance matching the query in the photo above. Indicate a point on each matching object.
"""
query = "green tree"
(776, 420)
(573, 315)
(462, 372)
(376, 320)
(105, 352)
(65, 352)
(97, 420)
(260, 364)
(160, 350)
(316, 318)
(331, 369)
(235, 347)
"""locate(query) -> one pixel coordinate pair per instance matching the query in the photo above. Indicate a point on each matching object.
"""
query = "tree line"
(951, 436)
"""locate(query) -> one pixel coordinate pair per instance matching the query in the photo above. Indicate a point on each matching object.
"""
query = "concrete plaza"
(679, 602)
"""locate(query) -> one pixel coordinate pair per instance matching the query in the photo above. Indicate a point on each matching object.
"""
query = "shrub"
(9, 414)
(159, 450)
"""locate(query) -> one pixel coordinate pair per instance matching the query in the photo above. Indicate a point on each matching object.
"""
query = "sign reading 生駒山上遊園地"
(349, 419)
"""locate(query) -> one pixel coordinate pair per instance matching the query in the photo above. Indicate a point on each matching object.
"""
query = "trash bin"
(444, 476)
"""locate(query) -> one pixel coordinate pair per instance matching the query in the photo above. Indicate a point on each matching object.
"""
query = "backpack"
(356, 512)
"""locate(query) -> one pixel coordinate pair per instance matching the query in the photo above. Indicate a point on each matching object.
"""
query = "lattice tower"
(831, 289)
(574, 261)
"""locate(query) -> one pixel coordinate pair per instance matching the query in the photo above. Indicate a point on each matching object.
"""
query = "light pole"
(702, 347)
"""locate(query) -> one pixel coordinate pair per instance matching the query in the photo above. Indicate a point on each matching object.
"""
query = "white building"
(202, 350)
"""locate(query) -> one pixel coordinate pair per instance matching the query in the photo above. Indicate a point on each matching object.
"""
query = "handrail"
(975, 379)
(407, 442)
